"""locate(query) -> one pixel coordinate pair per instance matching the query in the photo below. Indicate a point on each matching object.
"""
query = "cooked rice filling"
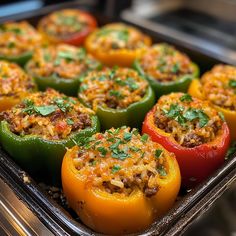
(17, 38)
(117, 88)
(121, 161)
(64, 23)
(118, 36)
(164, 63)
(190, 121)
(13, 80)
(62, 61)
(219, 86)
(48, 114)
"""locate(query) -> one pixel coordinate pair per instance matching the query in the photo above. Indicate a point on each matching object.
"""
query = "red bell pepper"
(196, 163)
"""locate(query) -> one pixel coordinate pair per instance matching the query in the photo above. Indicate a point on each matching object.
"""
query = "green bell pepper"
(161, 88)
(20, 60)
(132, 116)
(40, 157)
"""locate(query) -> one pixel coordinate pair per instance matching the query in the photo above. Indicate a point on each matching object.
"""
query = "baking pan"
(63, 221)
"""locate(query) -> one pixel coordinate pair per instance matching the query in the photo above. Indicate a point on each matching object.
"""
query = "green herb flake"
(191, 114)
(144, 138)
(232, 83)
(221, 115)
(135, 149)
(161, 170)
(203, 119)
(158, 153)
(45, 110)
(123, 35)
(69, 121)
(102, 150)
(186, 98)
(115, 169)
(127, 136)
(115, 93)
(83, 87)
(11, 45)
(175, 68)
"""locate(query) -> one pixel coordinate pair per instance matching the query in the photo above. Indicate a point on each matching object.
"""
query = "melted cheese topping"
(164, 63)
(63, 61)
(13, 80)
(120, 161)
(116, 88)
(190, 122)
(17, 38)
(118, 36)
(219, 86)
(49, 114)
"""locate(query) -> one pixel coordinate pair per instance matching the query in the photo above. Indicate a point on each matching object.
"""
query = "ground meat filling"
(117, 88)
(13, 80)
(62, 61)
(164, 63)
(219, 86)
(121, 161)
(65, 23)
(18, 38)
(190, 121)
(118, 36)
(49, 115)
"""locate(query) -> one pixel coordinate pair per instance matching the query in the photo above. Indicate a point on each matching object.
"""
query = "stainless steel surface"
(207, 25)
(15, 217)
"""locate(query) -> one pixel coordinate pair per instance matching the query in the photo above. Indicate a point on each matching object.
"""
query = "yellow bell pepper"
(116, 213)
(195, 89)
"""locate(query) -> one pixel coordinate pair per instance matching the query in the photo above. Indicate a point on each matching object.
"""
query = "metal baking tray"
(60, 219)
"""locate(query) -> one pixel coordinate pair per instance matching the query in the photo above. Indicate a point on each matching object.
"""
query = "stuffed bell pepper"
(37, 131)
(166, 69)
(117, 44)
(119, 96)
(195, 132)
(17, 41)
(218, 86)
(70, 26)
(15, 84)
(119, 182)
(60, 67)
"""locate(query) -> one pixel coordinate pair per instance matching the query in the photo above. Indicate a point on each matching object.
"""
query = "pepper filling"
(65, 23)
(120, 161)
(18, 38)
(117, 88)
(164, 63)
(219, 86)
(49, 115)
(118, 36)
(190, 121)
(13, 80)
(62, 61)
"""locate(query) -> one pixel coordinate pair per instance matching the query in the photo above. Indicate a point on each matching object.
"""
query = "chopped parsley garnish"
(69, 121)
(144, 137)
(232, 83)
(83, 87)
(115, 169)
(158, 153)
(63, 104)
(45, 110)
(115, 93)
(123, 35)
(161, 170)
(175, 68)
(186, 98)
(221, 115)
(177, 112)
(135, 149)
(119, 154)
(131, 84)
(127, 136)
(102, 150)
(11, 45)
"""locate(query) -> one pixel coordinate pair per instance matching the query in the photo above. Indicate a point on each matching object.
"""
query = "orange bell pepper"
(112, 57)
(195, 89)
(114, 213)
